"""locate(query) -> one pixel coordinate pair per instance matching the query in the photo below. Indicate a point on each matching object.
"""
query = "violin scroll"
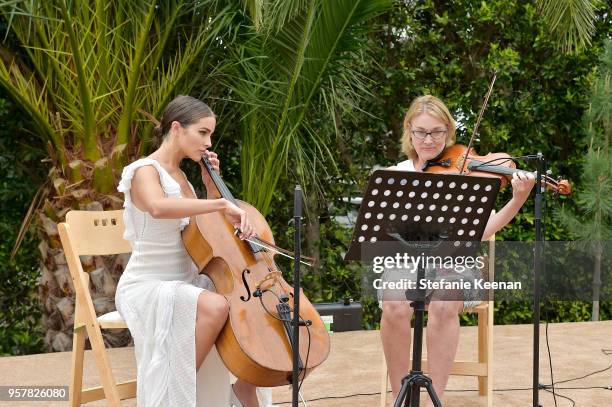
(561, 187)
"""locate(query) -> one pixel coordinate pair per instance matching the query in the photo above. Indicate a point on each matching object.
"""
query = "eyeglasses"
(435, 134)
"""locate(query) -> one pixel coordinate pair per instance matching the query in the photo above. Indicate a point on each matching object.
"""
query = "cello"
(255, 343)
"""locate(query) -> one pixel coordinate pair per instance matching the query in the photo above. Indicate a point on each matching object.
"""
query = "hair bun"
(157, 135)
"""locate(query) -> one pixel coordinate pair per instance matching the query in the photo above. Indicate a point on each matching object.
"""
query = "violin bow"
(482, 109)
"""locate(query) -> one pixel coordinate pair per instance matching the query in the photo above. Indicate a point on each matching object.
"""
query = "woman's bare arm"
(522, 183)
(148, 196)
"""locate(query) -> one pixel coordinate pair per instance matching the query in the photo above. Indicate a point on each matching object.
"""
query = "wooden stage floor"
(354, 367)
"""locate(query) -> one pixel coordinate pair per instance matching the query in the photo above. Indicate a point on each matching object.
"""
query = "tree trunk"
(597, 281)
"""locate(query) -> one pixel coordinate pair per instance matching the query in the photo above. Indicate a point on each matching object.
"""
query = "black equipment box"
(343, 315)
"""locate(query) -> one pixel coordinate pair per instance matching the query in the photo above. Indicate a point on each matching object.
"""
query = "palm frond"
(571, 21)
(279, 79)
(92, 64)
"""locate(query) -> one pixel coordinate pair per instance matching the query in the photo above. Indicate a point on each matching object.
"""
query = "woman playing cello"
(173, 312)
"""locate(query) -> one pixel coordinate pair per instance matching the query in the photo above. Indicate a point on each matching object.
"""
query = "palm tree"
(292, 72)
(89, 74)
(291, 82)
(572, 22)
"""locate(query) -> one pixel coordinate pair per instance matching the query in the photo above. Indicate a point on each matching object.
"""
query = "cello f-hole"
(246, 285)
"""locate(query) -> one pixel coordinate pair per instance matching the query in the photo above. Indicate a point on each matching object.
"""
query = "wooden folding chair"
(482, 368)
(93, 233)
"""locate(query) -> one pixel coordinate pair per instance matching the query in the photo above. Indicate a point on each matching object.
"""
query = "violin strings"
(502, 159)
(546, 178)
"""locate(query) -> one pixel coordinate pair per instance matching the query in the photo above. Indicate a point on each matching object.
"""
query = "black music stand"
(422, 210)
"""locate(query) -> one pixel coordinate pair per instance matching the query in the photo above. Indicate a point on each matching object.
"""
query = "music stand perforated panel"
(416, 206)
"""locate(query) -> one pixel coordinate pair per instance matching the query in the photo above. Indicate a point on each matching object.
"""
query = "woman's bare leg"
(395, 333)
(442, 339)
(213, 310)
(246, 393)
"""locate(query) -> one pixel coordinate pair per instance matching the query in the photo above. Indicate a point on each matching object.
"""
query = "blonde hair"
(431, 105)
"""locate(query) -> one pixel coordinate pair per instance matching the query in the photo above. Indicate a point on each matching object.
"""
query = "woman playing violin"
(173, 312)
(428, 129)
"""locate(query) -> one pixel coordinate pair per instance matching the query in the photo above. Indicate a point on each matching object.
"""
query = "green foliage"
(20, 155)
(572, 21)
(317, 90)
(591, 224)
(286, 76)
(593, 221)
(451, 50)
(555, 311)
(84, 72)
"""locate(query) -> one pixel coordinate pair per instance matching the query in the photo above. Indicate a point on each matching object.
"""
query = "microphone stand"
(297, 218)
(537, 268)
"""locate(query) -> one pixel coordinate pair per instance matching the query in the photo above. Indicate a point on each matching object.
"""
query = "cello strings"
(261, 243)
(269, 258)
(304, 369)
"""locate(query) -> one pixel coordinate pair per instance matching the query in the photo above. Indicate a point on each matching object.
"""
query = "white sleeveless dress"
(157, 296)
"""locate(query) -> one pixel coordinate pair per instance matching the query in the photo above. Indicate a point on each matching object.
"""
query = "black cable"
(458, 391)
(546, 386)
(306, 363)
(585, 376)
(331, 397)
(552, 377)
(551, 388)
(586, 388)
(562, 396)
(266, 308)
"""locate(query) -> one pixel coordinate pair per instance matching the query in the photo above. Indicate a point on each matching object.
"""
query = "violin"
(256, 342)
(458, 159)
